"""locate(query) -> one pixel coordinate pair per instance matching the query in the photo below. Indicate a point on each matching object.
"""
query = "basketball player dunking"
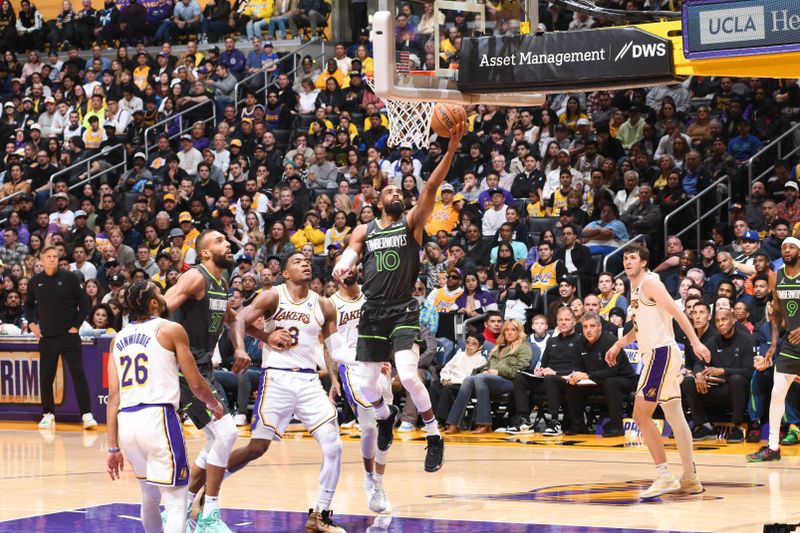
(652, 311)
(143, 394)
(785, 306)
(290, 385)
(348, 300)
(390, 249)
(199, 300)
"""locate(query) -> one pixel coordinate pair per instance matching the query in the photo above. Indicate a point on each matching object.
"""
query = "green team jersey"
(203, 318)
(391, 262)
(789, 295)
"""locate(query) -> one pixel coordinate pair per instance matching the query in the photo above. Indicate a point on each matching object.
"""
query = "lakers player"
(389, 248)
(347, 301)
(290, 385)
(785, 305)
(652, 310)
(143, 394)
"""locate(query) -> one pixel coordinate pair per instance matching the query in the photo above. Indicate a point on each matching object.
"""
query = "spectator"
(310, 14)
(590, 366)
(722, 381)
(510, 354)
(607, 234)
(566, 292)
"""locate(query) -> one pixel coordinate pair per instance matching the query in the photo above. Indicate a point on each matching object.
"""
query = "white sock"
(431, 427)
(190, 498)
(212, 504)
(662, 469)
(382, 412)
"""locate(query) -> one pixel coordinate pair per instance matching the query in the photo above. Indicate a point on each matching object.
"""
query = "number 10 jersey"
(391, 262)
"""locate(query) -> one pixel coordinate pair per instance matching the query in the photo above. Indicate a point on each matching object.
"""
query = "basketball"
(445, 118)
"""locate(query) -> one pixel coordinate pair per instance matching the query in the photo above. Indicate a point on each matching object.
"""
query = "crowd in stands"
(533, 203)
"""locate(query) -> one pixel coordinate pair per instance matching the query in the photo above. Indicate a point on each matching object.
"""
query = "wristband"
(113, 450)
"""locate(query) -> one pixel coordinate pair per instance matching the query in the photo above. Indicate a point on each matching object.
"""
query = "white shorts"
(353, 378)
(283, 394)
(660, 380)
(151, 438)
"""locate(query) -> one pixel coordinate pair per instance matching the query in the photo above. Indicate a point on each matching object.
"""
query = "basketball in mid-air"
(445, 118)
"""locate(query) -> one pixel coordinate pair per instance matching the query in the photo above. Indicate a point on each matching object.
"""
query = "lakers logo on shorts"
(184, 474)
(651, 393)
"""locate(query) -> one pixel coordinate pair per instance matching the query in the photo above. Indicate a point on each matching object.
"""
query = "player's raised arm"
(419, 214)
(658, 293)
(351, 254)
(189, 284)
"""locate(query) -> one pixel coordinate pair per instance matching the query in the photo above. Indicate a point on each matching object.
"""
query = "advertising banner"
(588, 59)
(20, 388)
(726, 28)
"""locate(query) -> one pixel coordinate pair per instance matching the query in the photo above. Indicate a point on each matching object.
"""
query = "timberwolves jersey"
(789, 294)
(148, 373)
(653, 324)
(203, 318)
(391, 262)
(347, 314)
(303, 320)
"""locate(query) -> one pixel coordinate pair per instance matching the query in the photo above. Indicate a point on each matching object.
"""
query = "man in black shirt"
(556, 362)
(724, 381)
(56, 307)
(590, 364)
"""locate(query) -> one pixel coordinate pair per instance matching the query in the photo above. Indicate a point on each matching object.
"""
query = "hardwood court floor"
(563, 484)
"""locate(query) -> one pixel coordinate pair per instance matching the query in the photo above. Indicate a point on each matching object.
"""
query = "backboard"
(427, 72)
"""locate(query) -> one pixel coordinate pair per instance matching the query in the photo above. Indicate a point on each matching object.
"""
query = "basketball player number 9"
(139, 364)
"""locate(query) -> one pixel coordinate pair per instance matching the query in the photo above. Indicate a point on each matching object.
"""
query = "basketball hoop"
(409, 120)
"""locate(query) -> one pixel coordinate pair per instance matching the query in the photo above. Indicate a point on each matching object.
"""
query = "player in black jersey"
(389, 249)
(785, 288)
(199, 301)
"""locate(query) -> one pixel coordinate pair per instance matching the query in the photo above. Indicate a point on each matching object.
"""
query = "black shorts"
(385, 328)
(786, 362)
(195, 409)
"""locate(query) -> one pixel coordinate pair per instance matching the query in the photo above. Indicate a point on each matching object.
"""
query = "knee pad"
(406, 362)
(381, 456)
(369, 381)
(366, 419)
(225, 434)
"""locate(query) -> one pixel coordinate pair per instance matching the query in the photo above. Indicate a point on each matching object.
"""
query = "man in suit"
(576, 257)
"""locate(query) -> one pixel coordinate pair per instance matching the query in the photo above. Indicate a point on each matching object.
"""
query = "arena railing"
(695, 202)
(777, 145)
(182, 128)
(100, 155)
(7, 199)
(249, 80)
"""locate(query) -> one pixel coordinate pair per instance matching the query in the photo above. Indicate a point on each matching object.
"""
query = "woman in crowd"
(474, 301)
(463, 365)
(506, 270)
(510, 355)
(98, 322)
(277, 243)
(433, 262)
(338, 231)
(324, 208)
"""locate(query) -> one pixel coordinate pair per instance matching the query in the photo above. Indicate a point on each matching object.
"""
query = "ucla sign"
(725, 28)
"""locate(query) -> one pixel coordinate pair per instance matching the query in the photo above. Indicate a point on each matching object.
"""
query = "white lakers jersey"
(348, 313)
(303, 320)
(148, 373)
(653, 324)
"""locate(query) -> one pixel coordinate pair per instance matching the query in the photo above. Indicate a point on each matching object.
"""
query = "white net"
(409, 120)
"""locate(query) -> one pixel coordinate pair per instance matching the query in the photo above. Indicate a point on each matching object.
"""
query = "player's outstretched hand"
(280, 339)
(611, 355)
(702, 351)
(115, 463)
(457, 133)
(241, 361)
(217, 410)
